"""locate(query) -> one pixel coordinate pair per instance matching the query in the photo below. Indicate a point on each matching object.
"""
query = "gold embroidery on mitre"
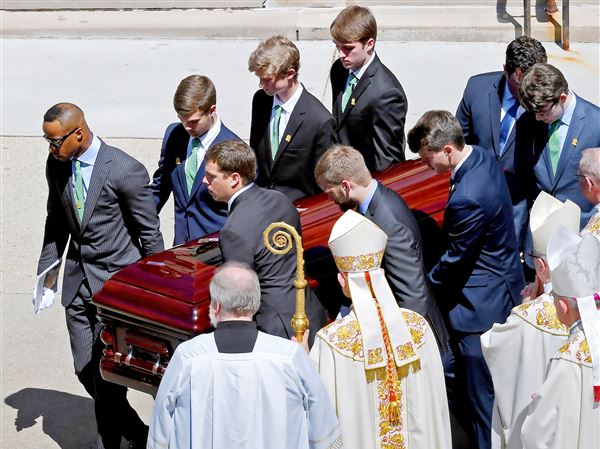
(541, 314)
(364, 262)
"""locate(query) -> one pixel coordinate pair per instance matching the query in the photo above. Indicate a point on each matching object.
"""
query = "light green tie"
(275, 131)
(352, 80)
(79, 198)
(191, 165)
(554, 145)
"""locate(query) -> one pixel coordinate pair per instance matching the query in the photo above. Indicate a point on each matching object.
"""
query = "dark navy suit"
(478, 279)
(584, 132)
(196, 213)
(479, 116)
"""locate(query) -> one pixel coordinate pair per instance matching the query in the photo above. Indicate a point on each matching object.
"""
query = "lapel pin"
(177, 161)
(353, 101)
(574, 142)
(288, 138)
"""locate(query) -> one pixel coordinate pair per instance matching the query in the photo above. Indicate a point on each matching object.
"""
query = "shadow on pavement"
(66, 418)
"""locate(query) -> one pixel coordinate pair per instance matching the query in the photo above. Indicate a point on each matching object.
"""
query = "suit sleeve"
(135, 198)
(161, 185)
(463, 115)
(404, 270)
(235, 248)
(389, 115)
(56, 229)
(467, 224)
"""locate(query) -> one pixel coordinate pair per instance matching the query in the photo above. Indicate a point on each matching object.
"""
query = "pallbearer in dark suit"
(369, 104)
(181, 164)
(290, 128)
(571, 126)
(479, 278)
(343, 175)
(492, 118)
(230, 170)
(99, 197)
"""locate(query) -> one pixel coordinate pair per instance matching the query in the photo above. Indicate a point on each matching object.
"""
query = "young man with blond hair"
(369, 104)
(290, 128)
(181, 168)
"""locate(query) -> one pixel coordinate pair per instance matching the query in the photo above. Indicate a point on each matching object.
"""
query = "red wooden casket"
(153, 305)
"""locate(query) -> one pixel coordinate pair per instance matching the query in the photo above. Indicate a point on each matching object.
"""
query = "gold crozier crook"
(282, 244)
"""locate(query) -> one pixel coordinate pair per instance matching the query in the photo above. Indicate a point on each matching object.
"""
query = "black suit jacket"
(479, 116)
(309, 133)
(196, 213)
(373, 121)
(403, 258)
(119, 225)
(241, 240)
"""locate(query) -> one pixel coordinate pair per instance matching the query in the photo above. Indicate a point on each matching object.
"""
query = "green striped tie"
(352, 80)
(275, 131)
(191, 165)
(554, 145)
(79, 198)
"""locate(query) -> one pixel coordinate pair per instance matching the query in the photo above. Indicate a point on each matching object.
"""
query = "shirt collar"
(468, 150)
(88, 157)
(207, 138)
(360, 72)
(568, 114)
(236, 194)
(364, 206)
(289, 105)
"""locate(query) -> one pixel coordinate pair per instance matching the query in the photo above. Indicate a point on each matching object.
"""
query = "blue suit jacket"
(479, 117)
(196, 213)
(584, 132)
(479, 277)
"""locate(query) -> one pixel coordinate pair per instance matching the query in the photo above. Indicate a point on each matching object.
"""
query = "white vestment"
(357, 394)
(561, 414)
(517, 354)
(270, 398)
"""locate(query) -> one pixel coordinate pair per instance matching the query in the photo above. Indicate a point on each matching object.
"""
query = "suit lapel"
(361, 86)
(495, 105)
(569, 147)
(64, 185)
(99, 174)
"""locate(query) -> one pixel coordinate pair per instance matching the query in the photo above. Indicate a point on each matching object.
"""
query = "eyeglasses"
(56, 143)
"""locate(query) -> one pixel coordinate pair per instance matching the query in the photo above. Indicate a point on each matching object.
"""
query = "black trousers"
(114, 416)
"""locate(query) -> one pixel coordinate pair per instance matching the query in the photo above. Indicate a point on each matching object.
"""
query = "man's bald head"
(65, 113)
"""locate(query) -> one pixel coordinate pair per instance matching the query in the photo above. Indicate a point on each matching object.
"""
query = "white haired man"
(239, 388)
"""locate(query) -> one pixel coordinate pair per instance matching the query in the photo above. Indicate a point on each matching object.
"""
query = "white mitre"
(548, 212)
(574, 264)
(357, 245)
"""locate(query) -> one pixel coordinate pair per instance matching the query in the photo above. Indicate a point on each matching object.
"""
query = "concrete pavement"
(125, 84)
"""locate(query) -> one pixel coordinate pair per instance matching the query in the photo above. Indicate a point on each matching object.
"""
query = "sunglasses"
(56, 143)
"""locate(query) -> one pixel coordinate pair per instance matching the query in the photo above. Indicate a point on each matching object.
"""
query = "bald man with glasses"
(100, 198)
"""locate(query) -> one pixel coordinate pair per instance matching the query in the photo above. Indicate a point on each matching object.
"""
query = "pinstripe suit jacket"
(119, 225)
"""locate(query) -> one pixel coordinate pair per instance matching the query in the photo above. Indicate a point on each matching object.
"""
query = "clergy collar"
(236, 194)
(236, 324)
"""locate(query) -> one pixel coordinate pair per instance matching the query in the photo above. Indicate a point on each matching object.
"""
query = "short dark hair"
(434, 130)
(542, 85)
(234, 156)
(194, 93)
(524, 52)
(63, 112)
(342, 162)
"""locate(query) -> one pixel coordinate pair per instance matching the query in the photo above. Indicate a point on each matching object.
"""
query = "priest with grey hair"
(239, 388)
(564, 411)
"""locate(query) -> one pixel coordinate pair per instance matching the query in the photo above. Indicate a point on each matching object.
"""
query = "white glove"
(47, 300)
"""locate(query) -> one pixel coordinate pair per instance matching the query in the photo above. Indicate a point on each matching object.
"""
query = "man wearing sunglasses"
(100, 198)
